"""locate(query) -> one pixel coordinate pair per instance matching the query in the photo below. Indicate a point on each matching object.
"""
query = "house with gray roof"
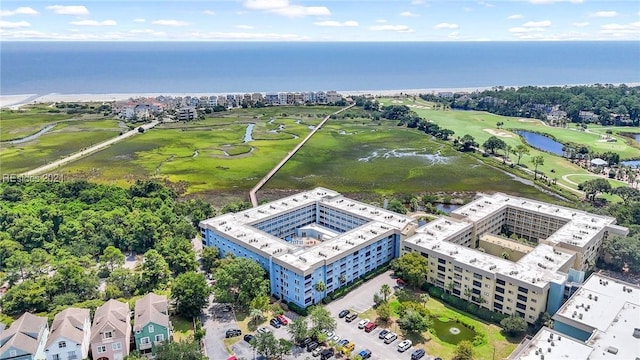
(25, 339)
(151, 323)
(70, 335)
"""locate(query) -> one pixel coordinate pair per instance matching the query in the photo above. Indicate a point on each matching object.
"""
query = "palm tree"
(449, 287)
(385, 291)
(467, 293)
(255, 315)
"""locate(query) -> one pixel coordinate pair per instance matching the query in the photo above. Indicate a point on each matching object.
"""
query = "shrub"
(297, 309)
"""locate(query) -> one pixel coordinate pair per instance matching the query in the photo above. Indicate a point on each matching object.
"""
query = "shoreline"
(15, 101)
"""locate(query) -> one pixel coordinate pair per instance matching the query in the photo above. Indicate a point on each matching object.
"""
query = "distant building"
(151, 325)
(272, 99)
(282, 98)
(445, 94)
(231, 101)
(186, 114)
(333, 97)
(222, 100)
(321, 97)
(70, 335)
(25, 339)
(111, 331)
(256, 98)
(213, 101)
(587, 116)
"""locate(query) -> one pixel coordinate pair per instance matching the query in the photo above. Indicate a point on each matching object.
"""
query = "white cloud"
(209, 12)
(555, 1)
(166, 22)
(417, 2)
(485, 4)
(581, 24)
(537, 24)
(282, 7)
(396, 28)
(520, 30)
(631, 30)
(77, 10)
(245, 27)
(94, 23)
(381, 21)
(148, 32)
(604, 14)
(246, 36)
(13, 24)
(408, 14)
(139, 20)
(454, 35)
(333, 23)
(23, 10)
(467, 9)
(515, 16)
(446, 26)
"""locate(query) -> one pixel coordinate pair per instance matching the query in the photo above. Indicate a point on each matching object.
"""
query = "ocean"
(218, 67)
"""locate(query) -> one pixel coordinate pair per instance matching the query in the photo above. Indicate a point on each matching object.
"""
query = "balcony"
(144, 346)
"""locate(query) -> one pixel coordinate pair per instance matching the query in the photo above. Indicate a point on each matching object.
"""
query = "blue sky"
(322, 20)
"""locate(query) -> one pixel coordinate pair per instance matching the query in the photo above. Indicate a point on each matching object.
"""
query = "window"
(523, 290)
(55, 357)
(159, 337)
(144, 340)
(71, 355)
(151, 329)
(477, 283)
(101, 349)
(62, 344)
(477, 276)
(521, 306)
(108, 335)
(441, 268)
(442, 261)
(522, 298)
(498, 297)
(116, 346)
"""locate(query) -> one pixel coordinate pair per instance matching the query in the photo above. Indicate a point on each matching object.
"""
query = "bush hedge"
(460, 304)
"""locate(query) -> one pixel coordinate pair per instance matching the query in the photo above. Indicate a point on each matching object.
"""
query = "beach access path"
(260, 184)
(90, 150)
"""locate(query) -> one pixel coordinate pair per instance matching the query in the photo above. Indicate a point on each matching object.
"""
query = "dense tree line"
(406, 117)
(57, 239)
(535, 102)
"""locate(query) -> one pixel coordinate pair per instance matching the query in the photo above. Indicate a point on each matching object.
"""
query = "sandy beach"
(15, 101)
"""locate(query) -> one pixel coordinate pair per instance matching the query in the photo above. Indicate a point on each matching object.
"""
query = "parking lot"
(359, 300)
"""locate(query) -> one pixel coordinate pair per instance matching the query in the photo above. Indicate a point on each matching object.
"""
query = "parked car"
(335, 338)
(326, 354)
(390, 337)
(233, 333)
(343, 342)
(263, 330)
(275, 323)
(317, 352)
(404, 345)
(400, 282)
(365, 354)
(329, 334)
(306, 342)
(383, 333)
(283, 320)
(418, 354)
(363, 323)
(370, 326)
(351, 317)
(248, 337)
(312, 346)
(343, 313)
(348, 348)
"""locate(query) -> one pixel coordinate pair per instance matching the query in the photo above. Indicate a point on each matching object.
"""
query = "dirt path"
(79, 155)
(260, 184)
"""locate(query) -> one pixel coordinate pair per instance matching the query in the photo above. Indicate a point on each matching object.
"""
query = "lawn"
(502, 345)
(182, 328)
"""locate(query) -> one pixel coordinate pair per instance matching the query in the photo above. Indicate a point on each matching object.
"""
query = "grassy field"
(182, 328)
(482, 125)
(348, 155)
(64, 139)
(502, 345)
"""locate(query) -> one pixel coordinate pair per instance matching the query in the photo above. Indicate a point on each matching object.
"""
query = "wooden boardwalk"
(260, 184)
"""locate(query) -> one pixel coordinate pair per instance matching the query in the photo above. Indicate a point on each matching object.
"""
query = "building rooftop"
(598, 302)
(580, 228)
(549, 344)
(241, 227)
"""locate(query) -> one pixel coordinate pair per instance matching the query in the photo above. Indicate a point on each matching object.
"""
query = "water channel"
(44, 130)
(541, 142)
(247, 134)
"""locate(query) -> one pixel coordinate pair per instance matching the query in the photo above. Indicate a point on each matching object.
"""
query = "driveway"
(216, 322)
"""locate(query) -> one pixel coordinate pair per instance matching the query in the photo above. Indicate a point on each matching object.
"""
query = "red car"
(282, 319)
(400, 282)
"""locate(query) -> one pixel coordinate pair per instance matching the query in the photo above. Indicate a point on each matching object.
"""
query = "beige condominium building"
(470, 256)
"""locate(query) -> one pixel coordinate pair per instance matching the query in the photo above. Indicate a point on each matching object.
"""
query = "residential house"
(111, 331)
(186, 114)
(222, 100)
(587, 116)
(213, 101)
(151, 323)
(333, 97)
(272, 99)
(256, 98)
(282, 98)
(231, 101)
(25, 339)
(321, 97)
(70, 335)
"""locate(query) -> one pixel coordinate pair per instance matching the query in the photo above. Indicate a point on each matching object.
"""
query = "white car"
(404, 345)
(317, 351)
(263, 330)
(363, 323)
(336, 338)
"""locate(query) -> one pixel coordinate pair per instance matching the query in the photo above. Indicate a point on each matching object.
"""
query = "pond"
(446, 208)
(450, 331)
(247, 134)
(631, 163)
(541, 142)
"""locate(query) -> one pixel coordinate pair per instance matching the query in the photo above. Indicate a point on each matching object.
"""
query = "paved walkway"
(252, 193)
(73, 157)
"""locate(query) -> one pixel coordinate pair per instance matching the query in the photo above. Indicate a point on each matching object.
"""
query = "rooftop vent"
(612, 350)
(636, 333)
